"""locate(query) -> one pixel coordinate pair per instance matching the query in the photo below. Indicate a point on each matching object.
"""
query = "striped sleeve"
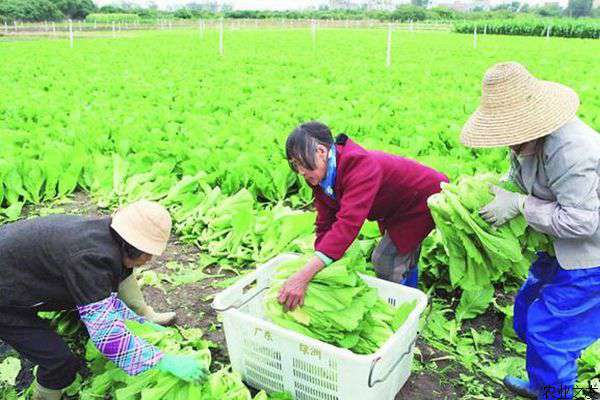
(105, 322)
(126, 313)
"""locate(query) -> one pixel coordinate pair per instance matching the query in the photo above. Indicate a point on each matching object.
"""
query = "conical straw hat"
(146, 225)
(516, 108)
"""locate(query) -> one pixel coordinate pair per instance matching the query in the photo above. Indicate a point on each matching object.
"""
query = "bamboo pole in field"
(388, 61)
(71, 32)
(5, 28)
(475, 37)
(53, 27)
(221, 50)
(548, 31)
(114, 30)
(314, 33)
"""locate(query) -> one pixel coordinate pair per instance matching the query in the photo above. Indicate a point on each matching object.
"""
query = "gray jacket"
(562, 180)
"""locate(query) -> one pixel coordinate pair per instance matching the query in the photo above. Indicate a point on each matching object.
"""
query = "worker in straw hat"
(555, 160)
(64, 262)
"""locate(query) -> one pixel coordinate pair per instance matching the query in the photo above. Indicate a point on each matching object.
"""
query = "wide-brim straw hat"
(516, 108)
(145, 225)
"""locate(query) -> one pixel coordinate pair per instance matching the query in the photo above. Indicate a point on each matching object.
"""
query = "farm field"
(162, 115)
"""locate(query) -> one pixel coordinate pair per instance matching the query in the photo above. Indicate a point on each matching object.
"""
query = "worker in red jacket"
(350, 185)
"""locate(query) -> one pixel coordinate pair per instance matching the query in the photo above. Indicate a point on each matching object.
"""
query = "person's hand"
(291, 294)
(186, 368)
(505, 206)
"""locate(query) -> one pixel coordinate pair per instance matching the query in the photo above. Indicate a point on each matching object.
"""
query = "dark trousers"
(35, 340)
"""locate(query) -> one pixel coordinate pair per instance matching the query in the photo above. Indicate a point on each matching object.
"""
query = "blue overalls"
(557, 313)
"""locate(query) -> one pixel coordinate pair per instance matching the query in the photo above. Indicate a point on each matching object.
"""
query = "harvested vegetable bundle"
(478, 254)
(339, 308)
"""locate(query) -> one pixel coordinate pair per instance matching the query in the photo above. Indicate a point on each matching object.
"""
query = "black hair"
(301, 144)
(128, 250)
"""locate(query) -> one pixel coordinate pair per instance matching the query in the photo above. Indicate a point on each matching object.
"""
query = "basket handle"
(372, 383)
(243, 301)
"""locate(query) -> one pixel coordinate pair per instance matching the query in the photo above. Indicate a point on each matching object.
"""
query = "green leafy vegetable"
(339, 308)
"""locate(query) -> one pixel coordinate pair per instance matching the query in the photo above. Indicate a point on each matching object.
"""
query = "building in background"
(385, 5)
(457, 5)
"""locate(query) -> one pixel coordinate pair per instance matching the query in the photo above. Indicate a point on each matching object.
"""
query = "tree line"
(53, 10)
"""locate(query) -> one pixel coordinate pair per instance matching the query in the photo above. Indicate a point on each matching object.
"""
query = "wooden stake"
(388, 61)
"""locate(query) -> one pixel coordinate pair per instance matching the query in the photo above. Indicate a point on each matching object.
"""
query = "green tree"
(420, 3)
(550, 10)
(442, 13)
(183, 13)
(407, 12)
(29, 10)
(579, 8)
(111, 10)
(75, 9)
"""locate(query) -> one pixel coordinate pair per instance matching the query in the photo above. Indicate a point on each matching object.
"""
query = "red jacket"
(379, 187)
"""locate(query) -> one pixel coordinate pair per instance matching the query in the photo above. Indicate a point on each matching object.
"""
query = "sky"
(279, 4)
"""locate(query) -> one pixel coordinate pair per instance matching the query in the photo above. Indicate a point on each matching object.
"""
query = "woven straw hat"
(516, 108)
(146, 225)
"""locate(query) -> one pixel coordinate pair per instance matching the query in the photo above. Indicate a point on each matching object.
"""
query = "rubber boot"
(131, 294)
(520, 387)
(42, 393)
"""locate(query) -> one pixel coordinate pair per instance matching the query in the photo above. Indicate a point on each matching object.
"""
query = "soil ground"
(437, 378)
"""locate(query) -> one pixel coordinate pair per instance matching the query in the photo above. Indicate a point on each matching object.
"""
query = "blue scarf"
(328, 183)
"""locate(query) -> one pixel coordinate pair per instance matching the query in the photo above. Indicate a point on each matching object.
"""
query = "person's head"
(307, 148)
(142, 230)
(516, 109)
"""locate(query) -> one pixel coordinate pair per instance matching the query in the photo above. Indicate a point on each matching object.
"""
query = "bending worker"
(350, 185)
(555, 160)
(64, 262)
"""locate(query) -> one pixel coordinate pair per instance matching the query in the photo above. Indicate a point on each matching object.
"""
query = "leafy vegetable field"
(569, 28)
(161, 115)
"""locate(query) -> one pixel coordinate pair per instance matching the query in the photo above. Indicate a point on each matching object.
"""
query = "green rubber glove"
(186, 368)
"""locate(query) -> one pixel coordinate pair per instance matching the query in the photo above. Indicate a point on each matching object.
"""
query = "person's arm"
(105, 323)
(325, 218)
(361, 183)
(128, 314)
(90, 276)
(572, 170)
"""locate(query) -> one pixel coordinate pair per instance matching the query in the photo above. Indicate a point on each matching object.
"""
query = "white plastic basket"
(273, 358)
